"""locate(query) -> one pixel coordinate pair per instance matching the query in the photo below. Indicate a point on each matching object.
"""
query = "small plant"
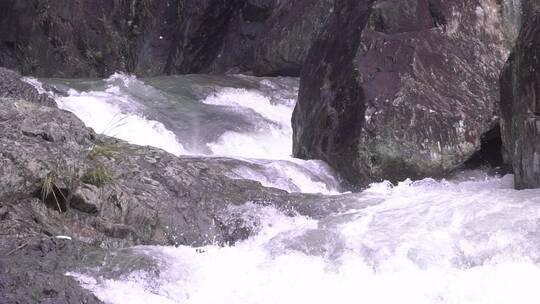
(98, 177)
(117, 121)
(102, 150)
(49, 187)
(107, 149)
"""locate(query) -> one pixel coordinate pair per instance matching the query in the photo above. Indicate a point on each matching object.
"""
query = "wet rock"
(520, 91)
(12, 86)
(265, 37)
(397, 89)
(32, 270)
(201, 31)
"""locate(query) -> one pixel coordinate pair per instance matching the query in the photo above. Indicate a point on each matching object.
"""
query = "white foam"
(293, 176)
(36, 84)
(254, 100)
(102, 111)
(272, 140)
(269, 144)
(427, 242)
(273, 137)
(114, 112)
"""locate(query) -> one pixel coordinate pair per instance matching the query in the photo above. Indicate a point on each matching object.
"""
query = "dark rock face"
(396, 89)
(520, 106)
(201, 31)
(86, 38)
(77, 38)
(290, 31)
(328, 89)
(11, 86)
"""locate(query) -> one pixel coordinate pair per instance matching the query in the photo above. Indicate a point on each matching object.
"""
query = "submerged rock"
(398, 89)
(520, 93)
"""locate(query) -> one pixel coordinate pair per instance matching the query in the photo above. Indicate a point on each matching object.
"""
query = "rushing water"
(468, 239)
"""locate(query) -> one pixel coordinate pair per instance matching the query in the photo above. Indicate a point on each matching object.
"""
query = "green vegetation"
(98, 177)
(108, 149)
(49, 188)
(117, 121)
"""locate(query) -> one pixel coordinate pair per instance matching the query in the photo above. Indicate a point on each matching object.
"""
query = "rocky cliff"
(520, 106)
(397, 89)
(76, 38)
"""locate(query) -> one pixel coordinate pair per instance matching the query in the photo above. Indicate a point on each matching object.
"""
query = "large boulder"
(60, 174)
(77, 38)
(400, 88)
(520, 106)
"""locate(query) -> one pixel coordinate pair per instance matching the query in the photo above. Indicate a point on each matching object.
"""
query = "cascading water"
(469, 239)
(234, 116)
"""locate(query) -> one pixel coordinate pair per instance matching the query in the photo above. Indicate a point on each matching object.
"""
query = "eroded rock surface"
(398, 89)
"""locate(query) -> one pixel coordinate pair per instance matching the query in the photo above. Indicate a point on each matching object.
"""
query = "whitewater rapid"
(470, 238)
(464, 241)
